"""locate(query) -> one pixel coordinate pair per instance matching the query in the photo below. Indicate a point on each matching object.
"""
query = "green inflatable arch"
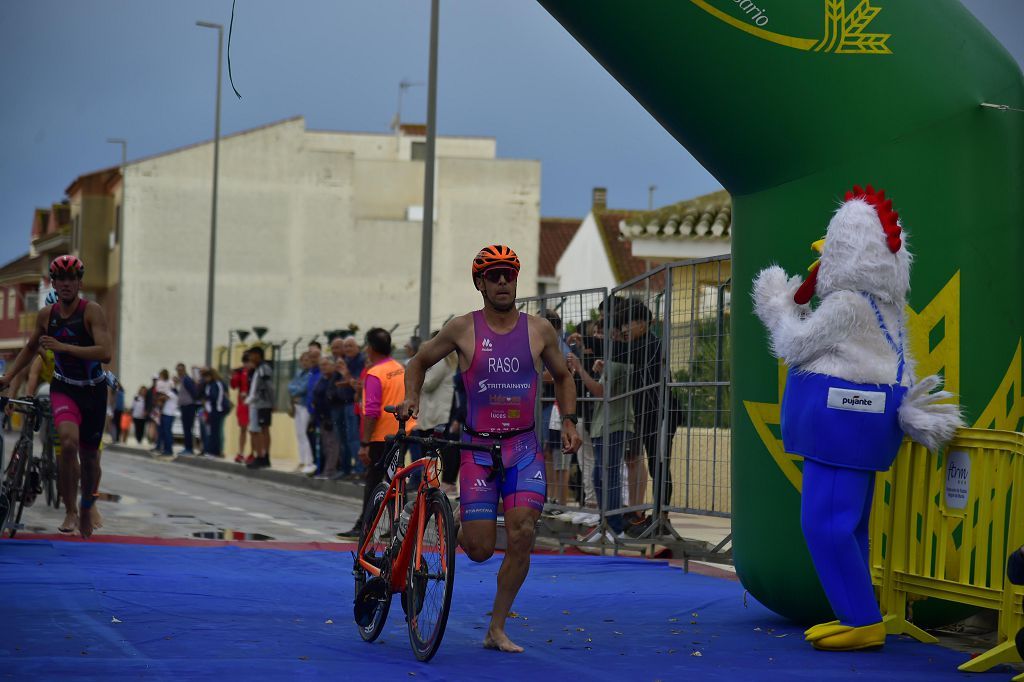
(789, 103)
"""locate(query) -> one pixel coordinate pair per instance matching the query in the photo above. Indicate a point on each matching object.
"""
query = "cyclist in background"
(75, 329)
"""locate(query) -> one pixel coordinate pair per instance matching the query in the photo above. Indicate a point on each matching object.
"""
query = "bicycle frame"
(396, 492)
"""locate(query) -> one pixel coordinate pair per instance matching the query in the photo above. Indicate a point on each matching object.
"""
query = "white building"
(612, 246)
(315, 230)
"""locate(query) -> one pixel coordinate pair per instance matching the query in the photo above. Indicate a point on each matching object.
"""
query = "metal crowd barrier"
(666, 334)
(943, 525)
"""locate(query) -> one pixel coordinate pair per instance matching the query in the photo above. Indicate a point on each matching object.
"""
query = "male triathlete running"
(500, 354)
(76, 331)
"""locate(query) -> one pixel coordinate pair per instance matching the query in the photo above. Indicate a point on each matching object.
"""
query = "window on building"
(76, 234)
(419, 151)
(12, 301)
(31, 301)
(3, 309)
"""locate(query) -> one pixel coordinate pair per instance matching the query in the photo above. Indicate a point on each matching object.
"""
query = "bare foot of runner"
(70, 523)
(85, 524)
(97, 518)
(501, 642)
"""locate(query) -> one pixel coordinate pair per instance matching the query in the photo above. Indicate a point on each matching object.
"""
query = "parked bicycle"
(48, 455)
(21, 481)
(408, 548)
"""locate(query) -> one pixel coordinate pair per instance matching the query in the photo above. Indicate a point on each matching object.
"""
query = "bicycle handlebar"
(28, 406)
(432, 443)
(21, 404)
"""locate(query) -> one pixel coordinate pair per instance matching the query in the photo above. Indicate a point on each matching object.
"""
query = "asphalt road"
(167, 500)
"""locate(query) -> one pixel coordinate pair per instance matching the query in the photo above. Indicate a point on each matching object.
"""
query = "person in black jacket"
(216, 406)
(327, 401)
(645, 356)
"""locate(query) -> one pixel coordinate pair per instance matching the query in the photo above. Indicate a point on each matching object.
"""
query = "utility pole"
(427, 255)
(213, 211)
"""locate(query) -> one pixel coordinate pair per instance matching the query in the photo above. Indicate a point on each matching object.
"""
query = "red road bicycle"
(409, 548)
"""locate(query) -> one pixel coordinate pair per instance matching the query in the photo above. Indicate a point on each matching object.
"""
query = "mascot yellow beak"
(806, 291)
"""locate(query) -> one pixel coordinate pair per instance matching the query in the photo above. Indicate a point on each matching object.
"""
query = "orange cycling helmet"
(68, 265)
(496, 255)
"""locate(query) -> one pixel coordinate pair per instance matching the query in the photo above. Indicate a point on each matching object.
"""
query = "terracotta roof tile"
(620, 251)
(555, 235)
(704, 217)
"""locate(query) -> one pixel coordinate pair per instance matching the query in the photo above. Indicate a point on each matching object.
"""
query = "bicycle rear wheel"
(16, 490)
(428, 595)
(376, 553)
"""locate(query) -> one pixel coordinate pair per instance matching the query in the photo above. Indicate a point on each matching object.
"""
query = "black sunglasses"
(495, 275)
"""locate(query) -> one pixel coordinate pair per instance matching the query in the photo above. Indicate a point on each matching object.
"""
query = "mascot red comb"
(851, 396)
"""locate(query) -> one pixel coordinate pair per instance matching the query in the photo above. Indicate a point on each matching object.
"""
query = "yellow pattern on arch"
(944, 356)
(844, 31)
(997, 414)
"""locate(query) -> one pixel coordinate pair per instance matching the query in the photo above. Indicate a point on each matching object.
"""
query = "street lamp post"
(213, 210)
(427, 255)
(120, 255)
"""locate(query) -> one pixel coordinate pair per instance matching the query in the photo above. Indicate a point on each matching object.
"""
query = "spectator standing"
(322, 409)
(297, 389)
(261, 405)
(610, 447)
(153, 403)
(384, 385)
(355, 364)
(313, 431)
(557, 461)
(451, 459)
(168, 398)
(118, 411)
(435, 402)
(188, 402)
(216, 406)
(587, 345)
(646, 369)
(240, 382)
(343, 396)
(139, 413)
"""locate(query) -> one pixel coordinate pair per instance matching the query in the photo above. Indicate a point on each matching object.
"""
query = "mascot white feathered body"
(851, 395)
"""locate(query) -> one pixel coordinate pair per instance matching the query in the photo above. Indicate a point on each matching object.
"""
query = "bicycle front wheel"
(430, 582)
(376, 552)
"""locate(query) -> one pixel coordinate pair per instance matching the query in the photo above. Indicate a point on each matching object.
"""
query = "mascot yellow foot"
(810, 633)
(845, 638)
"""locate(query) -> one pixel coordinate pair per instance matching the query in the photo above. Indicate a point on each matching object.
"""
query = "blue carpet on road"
(184, 613)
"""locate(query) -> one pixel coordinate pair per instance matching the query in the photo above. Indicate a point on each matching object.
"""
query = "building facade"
(315, 230)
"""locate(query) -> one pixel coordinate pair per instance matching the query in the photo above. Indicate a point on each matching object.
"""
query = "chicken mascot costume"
(850, 397)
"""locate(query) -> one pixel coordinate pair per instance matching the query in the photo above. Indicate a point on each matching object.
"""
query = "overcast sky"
(73, 74)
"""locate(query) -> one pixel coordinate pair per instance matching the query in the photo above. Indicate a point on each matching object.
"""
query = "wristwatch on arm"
(571, 416)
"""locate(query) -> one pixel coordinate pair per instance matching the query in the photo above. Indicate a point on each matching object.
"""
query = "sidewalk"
(281, 471)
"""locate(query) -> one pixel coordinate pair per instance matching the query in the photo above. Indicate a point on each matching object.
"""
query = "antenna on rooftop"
(404, 85)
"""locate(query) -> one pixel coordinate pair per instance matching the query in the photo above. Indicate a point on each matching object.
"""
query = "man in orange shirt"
(384, 385)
